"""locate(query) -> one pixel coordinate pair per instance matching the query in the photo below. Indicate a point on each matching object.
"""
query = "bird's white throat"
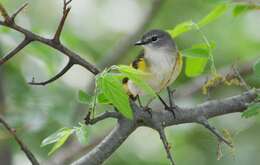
(160, 60)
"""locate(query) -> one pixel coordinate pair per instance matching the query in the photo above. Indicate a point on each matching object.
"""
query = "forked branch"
(54, 42)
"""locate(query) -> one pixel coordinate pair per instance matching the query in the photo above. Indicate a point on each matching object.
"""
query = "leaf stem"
(212, 67)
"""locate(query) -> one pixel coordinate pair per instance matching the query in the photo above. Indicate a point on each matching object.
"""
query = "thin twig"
(24, 148)
(66, 11)
(61, 73)
(166, 144)
(13, 52)
(101, 117)
(241, 79)
(18, 11)
(202, 120)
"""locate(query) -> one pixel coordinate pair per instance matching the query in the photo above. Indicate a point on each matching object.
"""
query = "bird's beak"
(140, 42)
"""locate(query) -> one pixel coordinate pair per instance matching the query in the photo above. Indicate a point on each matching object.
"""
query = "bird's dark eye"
(154, 38)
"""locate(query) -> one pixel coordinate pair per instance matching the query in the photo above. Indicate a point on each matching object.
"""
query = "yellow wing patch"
(142, 65)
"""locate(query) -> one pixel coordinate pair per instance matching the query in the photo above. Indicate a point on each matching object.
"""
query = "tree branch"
(4, 13)
(102, 151)
(185, 115)
(30, 36)
(102, 116)
(203, 121)
(166, 144)
(24, 148)
(13, 52)
(123, 46)
(66, 11)
(18, 11)
(61, 73)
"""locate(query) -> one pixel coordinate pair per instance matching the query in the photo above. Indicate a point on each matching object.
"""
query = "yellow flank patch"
(125, 86)
(141, 64)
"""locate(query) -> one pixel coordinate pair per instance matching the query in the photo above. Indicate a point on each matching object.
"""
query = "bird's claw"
(149, 110)
(172, 109)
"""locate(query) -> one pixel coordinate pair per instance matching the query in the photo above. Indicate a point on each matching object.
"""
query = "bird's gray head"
(158, 39)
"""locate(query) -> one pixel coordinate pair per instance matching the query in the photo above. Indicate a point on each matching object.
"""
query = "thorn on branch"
(66, 10)
(13, 52)
(61, 73)
(18, 11)
(203, 121)
(166, 145)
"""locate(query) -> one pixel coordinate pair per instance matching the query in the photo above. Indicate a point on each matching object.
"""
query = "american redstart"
(160, 59)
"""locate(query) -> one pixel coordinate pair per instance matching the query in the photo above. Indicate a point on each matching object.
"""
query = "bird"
(162, 61)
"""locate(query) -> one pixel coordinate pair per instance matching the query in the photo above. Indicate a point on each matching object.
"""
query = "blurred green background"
(93, 28)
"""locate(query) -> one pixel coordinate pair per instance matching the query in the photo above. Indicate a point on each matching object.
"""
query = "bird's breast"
(161, 65)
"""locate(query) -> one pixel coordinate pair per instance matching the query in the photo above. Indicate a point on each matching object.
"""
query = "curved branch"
(61, 73)
(27, 152)
(102, 151)
(101, 117)
(186, 115)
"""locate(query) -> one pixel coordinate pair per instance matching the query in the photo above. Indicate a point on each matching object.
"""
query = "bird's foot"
(173, 109)
(149, 110)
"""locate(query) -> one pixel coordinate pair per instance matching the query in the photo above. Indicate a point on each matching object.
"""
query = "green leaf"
(242, 8)
(101, 99)
(81, 133)
(53, 138)
(213, 15)
(59, 138)
(181, 28)
(114, 92)
(135, 75)
(252, 110)
(61, 141)
(84, 97)
(197, 51)
(195, 66)
(256, 67)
